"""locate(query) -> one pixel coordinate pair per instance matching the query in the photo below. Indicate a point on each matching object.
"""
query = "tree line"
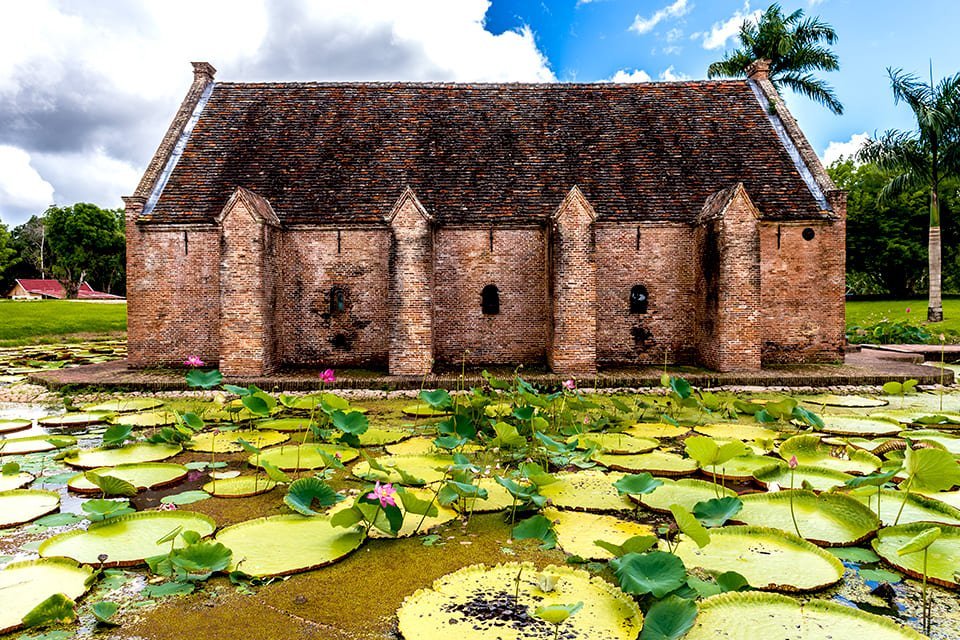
(75, 244)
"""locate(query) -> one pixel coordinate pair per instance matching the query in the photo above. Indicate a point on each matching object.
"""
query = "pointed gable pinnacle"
(258, 207)
(407, 199)
(717, 204)
(574, 200)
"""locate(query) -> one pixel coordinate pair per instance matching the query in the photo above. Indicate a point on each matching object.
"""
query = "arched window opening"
(638, 299)
(490, 300)
(338, 301)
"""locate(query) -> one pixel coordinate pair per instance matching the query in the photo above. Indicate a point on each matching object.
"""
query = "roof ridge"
(457, 85)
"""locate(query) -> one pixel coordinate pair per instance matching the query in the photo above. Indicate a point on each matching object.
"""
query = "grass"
(868, 312)
(40, 321)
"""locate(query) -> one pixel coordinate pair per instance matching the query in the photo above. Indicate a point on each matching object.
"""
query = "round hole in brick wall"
(809, 234)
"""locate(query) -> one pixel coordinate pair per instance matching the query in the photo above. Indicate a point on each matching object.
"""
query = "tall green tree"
(30, 241)
(795, 47)
(9, 258)
(924, 157)
(86, 244)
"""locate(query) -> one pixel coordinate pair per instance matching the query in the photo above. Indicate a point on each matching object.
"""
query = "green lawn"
(33, 321)
(862, 313)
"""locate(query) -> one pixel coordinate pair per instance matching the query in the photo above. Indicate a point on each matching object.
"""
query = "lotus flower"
(167, 506)
(194, 361)
(570, 384)
(384, 493)
(327, 376)
(793, 462)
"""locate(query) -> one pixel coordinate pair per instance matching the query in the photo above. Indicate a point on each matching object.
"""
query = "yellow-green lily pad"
(686, 492)
(827, 519)
(577, 531)
(147, 475)
(228, 441)
(35, 444)
(306, 456)
(23, 505)
(943, 555)
(239, 486)
(859, 426)
(135, 453)
(410, 470)
(818, 478)
(659, 430)
(659, 463)
(25, 585)
(737, 431)
(918, 508)
(615, 442)
(125, 405)
(10, 426)
(590, 490)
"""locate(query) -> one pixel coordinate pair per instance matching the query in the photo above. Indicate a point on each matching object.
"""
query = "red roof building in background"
(37, 289)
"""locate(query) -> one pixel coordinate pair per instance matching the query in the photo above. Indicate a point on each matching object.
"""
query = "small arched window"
(490, 300)
(338, 301)
(638, 299)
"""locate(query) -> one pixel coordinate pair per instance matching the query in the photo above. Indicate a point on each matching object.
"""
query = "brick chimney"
(756, 70)
(203, 71)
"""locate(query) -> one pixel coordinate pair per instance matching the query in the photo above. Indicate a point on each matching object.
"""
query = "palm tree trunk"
(935, 304)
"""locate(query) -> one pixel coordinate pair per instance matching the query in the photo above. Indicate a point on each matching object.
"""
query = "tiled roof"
(342, 153)
(53, 289)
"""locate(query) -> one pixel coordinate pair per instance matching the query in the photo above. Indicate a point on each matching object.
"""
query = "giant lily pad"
(849, 402)
(11, 481)
(456, 605)
(736, 431)
(72, 420)
(126, 540)
(414, 523)
(239, 486)
(424, 411)
(659, 463)
(284, 424)
(306, 456)
(498, 498)
(148, 475)
(752, 615)
(686, 492)
(951, 498)
(918, 508)
(125, 405)
(740, 468)
(616, 442)
(145, 419)
(228, 441)
(858, 426)
(656, 430)
(818, 478)
(411, 470)
(281, 545)
(943, 556)
(770, 559)
(809, 450)
(576, 532)
(131, 454)
(35, 444)
(587, 490)
(23, 505)
(378, 436)
(828, 519)
(9, 426)
(949, 442)
(25, 585)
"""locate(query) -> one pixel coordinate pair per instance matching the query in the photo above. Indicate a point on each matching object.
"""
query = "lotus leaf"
(736, 431)
(657, 573)
(378, 436)
(423, 469)
(659, 463)
(11, 481)
(770, 559)
(498, 498)
(72, 420)
(126, 540)
(656, 430)
(131, 454)
(35, 444)
(669, 619)
(239, 486)
(150, 475)
(306, 456)
(809, 450)
(943, 554)
(818, 478)
(25, 585)
(286, 544)
(285, 424)
(687, 493)
(615, 442)
(590, 490)
(918, 508)
(454, 606)
(9, 426)
(576, 532)
(227, 441)
(414, 523)
(146, 419)
(125, 405)
(859, 426)
(828, 519)
(850, 402)
(23, 505)
(949, 442)
(769, 615)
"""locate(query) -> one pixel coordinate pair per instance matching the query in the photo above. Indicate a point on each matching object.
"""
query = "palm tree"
(924, 157)
(792, 45)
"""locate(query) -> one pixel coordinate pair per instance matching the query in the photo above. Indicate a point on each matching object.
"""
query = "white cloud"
(636, 75)
(88, 176)
(839, 150)
(22, 190)
(722, 31)
(678, 9)
(671, 75)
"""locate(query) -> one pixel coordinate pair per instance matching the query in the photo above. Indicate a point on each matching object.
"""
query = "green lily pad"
(859, 426)
(138, 452)
(146, 419)
(286, 544)
(35, 444)
(306, 456)
(498, 498)
(125, 405)
(149, 475)
(943, 555)
(185, 497)
(615, 442)
(850, 402)
(227, 441)
(949, 442)
(379, 436)
(73, 420)
(25, 585)
(446, 610)
(23, 505)
(827, 519)
(736, 431)
(423, 410)
(126, 540)
(658, 430)
(818, 478)
(589, 490)
(15, 481)
(239, 487)
(741, 468)
(10, 426)
(951, 498)
(659, 463)
(420, 445)
(918, 508)
(284, 424)
(405, 469)
(752, 615)
(686, 492)
(577, 531)
(809, 450)
(770, 559)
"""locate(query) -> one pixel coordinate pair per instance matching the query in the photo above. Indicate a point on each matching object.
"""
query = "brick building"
(407, 225)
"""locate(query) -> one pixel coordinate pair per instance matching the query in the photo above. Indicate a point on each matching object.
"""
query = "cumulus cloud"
(88, 89)
(722, 31)
(840, 150)
(671, 75)
(23, 191)
(635, 75)
(677, 9)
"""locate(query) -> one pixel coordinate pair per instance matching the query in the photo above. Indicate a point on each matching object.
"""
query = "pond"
(507, 511)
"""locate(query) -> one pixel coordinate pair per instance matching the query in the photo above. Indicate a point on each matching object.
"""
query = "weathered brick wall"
(803, 292)
(314, 261)
(661, 262)
(464, 264)
(411, 290)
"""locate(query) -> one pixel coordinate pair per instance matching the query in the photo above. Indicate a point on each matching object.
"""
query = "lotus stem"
(923, 595)
(793, 515)
(516, 593)
(906, 494)
(213, 460)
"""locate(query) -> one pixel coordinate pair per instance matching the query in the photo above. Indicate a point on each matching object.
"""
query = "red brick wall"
(662, 264)
(411, 291)
(803, 292)
(463, 265)
(310, 266)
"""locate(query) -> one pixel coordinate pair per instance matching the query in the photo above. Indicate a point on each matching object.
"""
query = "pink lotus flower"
(570, 385)
(327, 376)
(384, 493)
(167, 507)
(194, 361)
(793, 462)
(908, 309)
